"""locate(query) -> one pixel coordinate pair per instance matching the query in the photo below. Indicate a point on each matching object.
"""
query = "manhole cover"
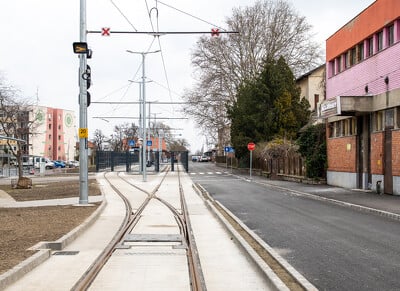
(66, 253)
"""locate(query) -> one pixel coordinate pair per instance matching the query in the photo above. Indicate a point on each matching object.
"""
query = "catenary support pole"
(83, 141)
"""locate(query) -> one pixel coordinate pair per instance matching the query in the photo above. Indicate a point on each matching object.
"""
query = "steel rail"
(195, 270)
(88, 277)
(182, 218)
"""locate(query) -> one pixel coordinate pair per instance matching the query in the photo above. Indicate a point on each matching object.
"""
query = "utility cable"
(126, 18)
(191, 15)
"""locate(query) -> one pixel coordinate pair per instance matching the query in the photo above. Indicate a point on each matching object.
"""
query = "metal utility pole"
(144, 143)
(83, 133)
(140, 123)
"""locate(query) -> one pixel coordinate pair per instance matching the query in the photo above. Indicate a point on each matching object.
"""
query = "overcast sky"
(36, 52)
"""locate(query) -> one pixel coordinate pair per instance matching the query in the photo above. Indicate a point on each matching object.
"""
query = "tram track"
(128, 226)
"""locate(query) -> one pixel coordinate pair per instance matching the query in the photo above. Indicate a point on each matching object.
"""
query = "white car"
(73, 164)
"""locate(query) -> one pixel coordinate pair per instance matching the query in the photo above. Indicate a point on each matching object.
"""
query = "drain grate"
(66, 253)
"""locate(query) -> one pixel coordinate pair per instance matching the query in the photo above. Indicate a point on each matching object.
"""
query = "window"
(391, 35)
(341, 62)
(49, 126)
(338, 65)
(59, 127)
(353, 56)
(331, 70)
(398, 117)
(316, 100)
(344, 127)
(360, 52)
(380, 40)
(346, 57)
(59, 137)
(49, 136)
(370, 46)
(378, 121)
(389, 118)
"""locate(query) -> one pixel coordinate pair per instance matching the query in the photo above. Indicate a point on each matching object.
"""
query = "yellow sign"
(80, 47)
(83, 133)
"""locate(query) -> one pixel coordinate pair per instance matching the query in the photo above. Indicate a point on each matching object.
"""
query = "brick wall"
(342, 154)
(377, 147)
(396, 152)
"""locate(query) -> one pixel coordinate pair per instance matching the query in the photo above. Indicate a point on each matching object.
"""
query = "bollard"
(378, 187)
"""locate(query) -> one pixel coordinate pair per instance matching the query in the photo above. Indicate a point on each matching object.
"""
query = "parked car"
(204, 159)
(59, 164)
(72, 164)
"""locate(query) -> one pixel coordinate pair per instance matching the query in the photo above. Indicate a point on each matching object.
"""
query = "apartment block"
(55, 134)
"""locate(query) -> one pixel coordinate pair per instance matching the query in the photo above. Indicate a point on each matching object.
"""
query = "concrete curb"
(23, 268)
(45, 249)
(274, 280)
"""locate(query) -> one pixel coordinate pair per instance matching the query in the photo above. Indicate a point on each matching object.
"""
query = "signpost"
(230, 151)
(251, 147)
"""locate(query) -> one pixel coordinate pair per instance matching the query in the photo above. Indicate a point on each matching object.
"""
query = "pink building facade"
(362, 106)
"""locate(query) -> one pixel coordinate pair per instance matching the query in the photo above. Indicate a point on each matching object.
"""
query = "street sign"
(149, 143)
(131, 143)
(251, 146)
(105, 31)
(83, 133)
(229, 149)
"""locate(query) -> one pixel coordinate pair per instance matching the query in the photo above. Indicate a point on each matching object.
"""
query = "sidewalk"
(364, 200)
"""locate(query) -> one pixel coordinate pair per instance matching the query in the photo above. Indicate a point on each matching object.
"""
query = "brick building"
(362, 105)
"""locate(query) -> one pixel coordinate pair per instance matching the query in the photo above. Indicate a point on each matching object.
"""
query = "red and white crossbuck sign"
(215, 32)
(105, 31)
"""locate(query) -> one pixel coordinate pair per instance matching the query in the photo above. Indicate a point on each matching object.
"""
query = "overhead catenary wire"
(188, 14)
(156, 33)
(126, 18)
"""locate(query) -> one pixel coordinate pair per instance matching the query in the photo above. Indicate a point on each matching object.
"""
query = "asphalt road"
(334, 247)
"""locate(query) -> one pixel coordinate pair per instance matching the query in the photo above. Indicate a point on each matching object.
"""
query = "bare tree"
(16, 122)
(121, 134)
(98, 139)
(178, 145)
(267, 29)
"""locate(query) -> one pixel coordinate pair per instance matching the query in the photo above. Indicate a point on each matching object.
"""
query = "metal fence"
(6, 172)
(108, 160)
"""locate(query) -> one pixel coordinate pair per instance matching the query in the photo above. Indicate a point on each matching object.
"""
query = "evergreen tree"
(312, 146)
(267, 107)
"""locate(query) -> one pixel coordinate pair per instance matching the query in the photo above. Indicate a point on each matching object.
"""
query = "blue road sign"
(131, 143)
(149, 143)
(229, 149)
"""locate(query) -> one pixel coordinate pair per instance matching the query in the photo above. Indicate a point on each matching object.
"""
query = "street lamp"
(144, 106)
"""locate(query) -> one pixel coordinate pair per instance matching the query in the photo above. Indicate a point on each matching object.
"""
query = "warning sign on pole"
(83, 133)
